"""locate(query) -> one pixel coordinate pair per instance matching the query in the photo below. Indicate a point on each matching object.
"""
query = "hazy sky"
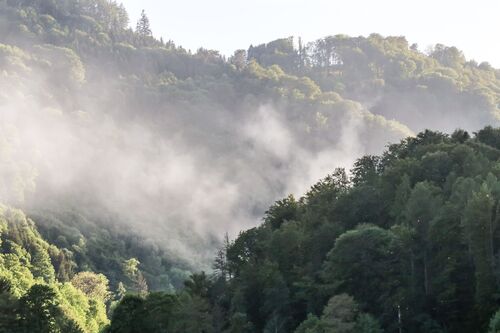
(227, 25)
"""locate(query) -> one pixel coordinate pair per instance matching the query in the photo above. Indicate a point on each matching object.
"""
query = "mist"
(148, 187)
(174, 188)
(183, 148)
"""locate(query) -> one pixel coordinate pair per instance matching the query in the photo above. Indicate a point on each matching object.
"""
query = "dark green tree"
(39, 310)
(362, 263)
(478, 227)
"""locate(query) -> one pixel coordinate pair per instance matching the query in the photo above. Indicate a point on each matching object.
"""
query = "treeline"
(396, 80)
(407, 241)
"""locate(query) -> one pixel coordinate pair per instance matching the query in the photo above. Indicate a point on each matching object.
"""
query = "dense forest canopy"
(407, 242)
(131, 157)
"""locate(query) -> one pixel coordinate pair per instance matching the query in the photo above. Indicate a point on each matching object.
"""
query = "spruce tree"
(143, 28)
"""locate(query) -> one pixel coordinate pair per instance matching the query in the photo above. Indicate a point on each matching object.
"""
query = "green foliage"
(239, 323)
(494, 326)
(160, 312)
(192, 315)
(282, 211)
(129, 316)
(411, 235)
(339, 314)
(39, 310)
(94, 286)
(107, 250)
(427, 266)
(311, 325)
(367, 324)
(479, 229)
(31, 298)
(362, 264)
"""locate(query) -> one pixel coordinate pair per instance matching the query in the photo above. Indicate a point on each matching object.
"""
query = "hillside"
(33, 296)
(133, 157)
(409, 242)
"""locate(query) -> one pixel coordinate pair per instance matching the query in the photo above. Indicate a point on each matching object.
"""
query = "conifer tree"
(143, 27)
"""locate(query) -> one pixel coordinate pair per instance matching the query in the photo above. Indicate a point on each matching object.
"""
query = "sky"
(228, 25)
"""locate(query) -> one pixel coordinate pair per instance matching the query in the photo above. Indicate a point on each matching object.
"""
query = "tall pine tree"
(143, 27)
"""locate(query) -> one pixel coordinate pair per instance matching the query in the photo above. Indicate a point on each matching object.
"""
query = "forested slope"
(33, 294)
(134, 156)
(408, 241)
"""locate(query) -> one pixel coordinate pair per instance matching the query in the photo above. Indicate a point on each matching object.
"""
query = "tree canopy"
(131, 156)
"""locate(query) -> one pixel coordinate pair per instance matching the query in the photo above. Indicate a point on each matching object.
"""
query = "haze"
(183, 147)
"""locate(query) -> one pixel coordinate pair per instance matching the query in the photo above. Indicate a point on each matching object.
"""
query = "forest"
(149, 188)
